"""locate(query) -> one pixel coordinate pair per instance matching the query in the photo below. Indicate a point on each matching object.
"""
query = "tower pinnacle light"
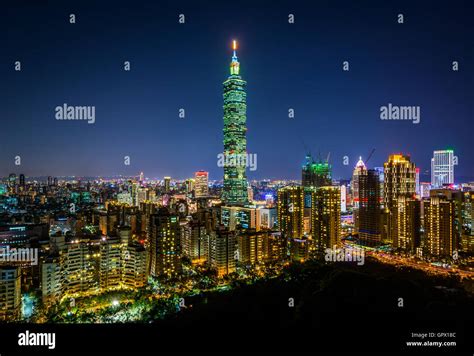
(234, 65)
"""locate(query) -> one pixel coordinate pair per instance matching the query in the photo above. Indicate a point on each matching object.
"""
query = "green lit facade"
(315, 174)
(235, 142)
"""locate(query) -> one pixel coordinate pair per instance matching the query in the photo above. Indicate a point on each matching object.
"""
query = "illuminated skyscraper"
(467, 238)
(315, 174)
(417, 182)
(326, 217)
(439, 226)
(442, 168)
(201, 181)
(291, 211)
(164, 237)
(400, 180)
(407, 218)
(358, 170)
(369, 213)
(167, 184)
(343, 198)
(235, 142)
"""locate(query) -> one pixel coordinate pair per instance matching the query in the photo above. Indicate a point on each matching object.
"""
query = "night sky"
(286, 66)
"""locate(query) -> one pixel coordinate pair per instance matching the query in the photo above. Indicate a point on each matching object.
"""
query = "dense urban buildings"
(82, 239)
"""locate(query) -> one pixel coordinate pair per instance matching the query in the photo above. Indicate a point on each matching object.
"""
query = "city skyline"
(280, 166)
(139, 117)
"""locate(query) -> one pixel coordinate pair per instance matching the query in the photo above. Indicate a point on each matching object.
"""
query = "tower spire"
(234, 65)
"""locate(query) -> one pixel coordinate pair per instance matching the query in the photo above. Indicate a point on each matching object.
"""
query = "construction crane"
(370, 155)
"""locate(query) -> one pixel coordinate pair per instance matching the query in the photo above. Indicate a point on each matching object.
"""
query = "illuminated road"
(398, 261)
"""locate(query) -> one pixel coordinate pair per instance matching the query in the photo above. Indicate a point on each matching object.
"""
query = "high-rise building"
(442, 168)
(400, 180)
(369, 212)
(439, 226)
(425, 188)
(234, 217)
(268, 218)
(22, 180)
(164, 237)
(417, 182)
(195, 241)
(343, 189)
(380, 171)
(10, 293)
(167, 184)
(299, 249)
(134, 266)
(222, 252)
(110, 263)
(250, 193)
(250, 246)
(51, 280)
(315, 174)
(359, 169)
(467, 237)
(190, 185)
(291, 211)
(80, 268)
(326, 217)
(274, 247)
(407, 219)
(201, 184)
(235, 142)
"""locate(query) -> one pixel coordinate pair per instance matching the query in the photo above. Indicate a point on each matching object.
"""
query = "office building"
(201, 184)
(442, 168)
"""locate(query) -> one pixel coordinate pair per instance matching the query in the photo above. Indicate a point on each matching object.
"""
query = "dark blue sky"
(286, 66)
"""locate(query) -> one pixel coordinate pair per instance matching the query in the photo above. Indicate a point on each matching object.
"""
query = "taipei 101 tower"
(235, 142)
